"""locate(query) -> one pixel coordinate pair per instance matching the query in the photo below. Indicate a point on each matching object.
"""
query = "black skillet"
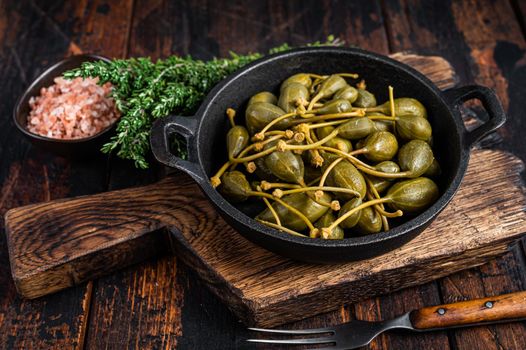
(205, 135)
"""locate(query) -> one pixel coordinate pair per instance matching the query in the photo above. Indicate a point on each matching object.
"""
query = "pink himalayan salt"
(72, 109)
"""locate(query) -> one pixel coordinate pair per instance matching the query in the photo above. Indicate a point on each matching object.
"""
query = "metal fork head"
(325, 336)
(348, 335)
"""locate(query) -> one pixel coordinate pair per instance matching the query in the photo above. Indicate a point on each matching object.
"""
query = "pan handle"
(160, 134)
(490, 101)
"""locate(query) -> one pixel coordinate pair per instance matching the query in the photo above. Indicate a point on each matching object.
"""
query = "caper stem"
(250, 167)
(265, 185)
(358, 151)
(381, 174)
(349, 75)
(385, 213)
(261, 135)
(376, 195)
(312, 196)
(274, 214)
(262, 143)
(254, 156)
(357, 113)
(385, 222)
(391, 103)
(352, 159)
(314, 234)
(315, 83)
(371, 109)
(317, 76)
(231, 113)
(269, 133)
(305, 115)
(372, 189)
(333, 134)
(316, 158)
(372, 193)
(322, 188)
(361, 85)
(381, 117)
(289, 207)
(239, 159)
(313, 135)
(321, 125)
(315, 99)
(381, 209)
(281, 228)
(216, 179)
(328, 170)
(354, 210)
(316, 180)
(258, 146)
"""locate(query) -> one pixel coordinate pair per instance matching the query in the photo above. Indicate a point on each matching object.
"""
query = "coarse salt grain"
(72, 109)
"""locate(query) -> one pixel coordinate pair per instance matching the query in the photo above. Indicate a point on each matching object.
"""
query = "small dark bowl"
(206, 132)
(68, 148)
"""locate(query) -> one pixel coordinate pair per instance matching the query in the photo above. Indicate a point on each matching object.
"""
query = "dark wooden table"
(162, 304)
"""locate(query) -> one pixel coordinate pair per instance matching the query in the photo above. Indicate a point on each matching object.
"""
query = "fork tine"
(293, 341)
(293, 331)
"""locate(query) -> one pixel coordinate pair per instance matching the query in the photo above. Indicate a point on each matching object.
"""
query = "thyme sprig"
(145, 90)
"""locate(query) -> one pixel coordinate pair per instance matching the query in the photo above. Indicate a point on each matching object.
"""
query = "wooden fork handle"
(493, 309)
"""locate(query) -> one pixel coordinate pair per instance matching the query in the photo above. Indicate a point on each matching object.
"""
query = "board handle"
(506, 307)
(61, 243)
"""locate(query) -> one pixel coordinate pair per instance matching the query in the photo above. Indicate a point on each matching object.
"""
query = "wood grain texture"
(394, 304)
(251, 26)
(498, 63)
(261, 287)
(35, 34)
(204, 29)
(485, 45)
(54, 321)
(212, 28)
(140, 307)
(113, 229)
(490, 309)
(274, 290)
(95, 244)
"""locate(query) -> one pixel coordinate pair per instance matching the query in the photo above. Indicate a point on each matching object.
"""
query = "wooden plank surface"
(58, 244)
(473, 36)
(485, 217)
(202, 28)
(267, 290)
(32, 176)
(148, 297)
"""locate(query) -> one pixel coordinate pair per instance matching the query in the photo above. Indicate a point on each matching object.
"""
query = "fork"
(350, 335)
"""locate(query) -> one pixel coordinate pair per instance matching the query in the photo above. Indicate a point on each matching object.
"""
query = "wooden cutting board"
(58, 244)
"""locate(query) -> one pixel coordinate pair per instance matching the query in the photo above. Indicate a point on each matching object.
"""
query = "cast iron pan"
(205, 133)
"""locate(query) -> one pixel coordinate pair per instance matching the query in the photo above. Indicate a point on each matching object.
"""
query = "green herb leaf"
(146, 90)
